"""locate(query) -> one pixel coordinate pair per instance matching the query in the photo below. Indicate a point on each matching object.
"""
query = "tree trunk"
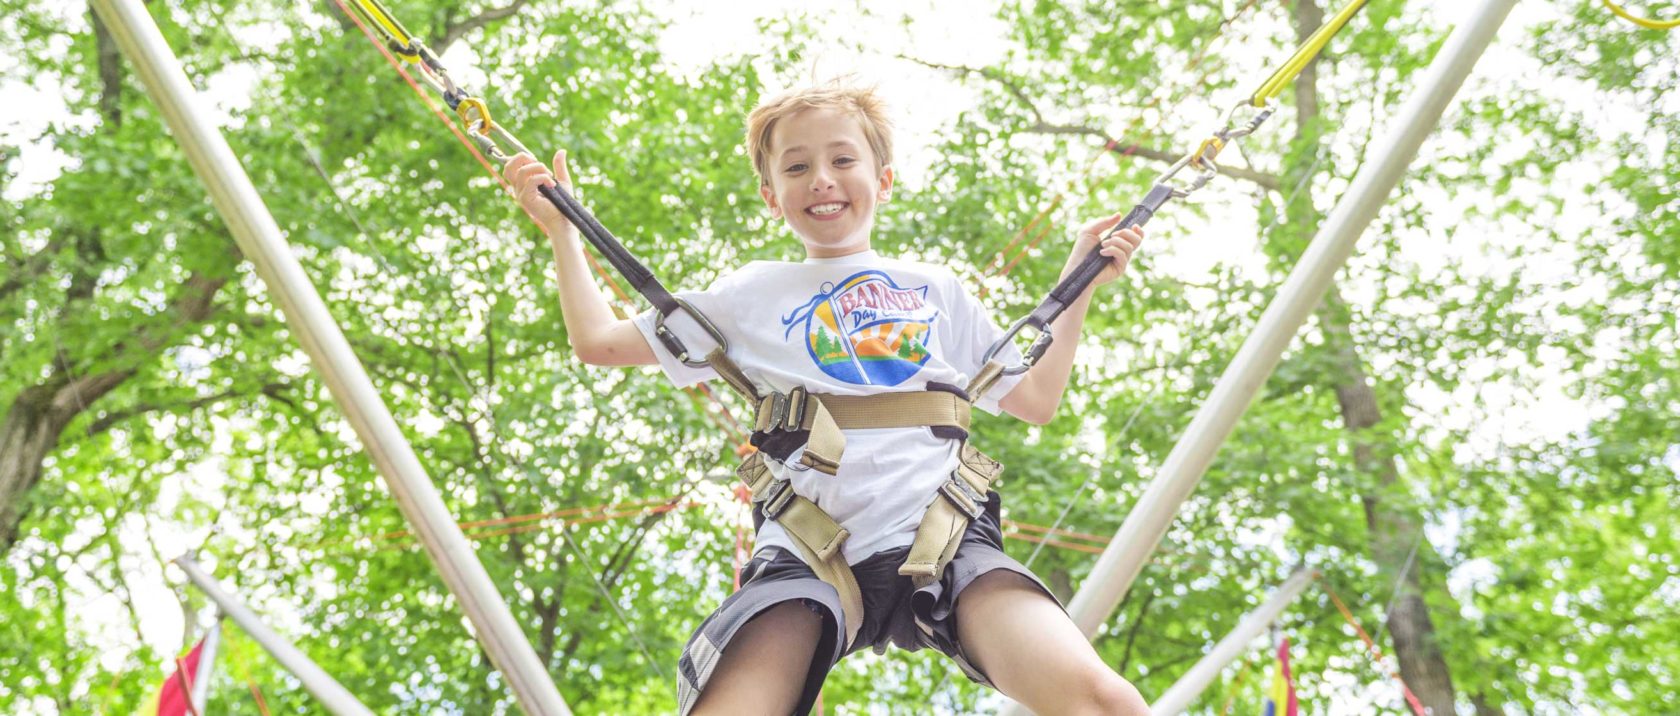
(31, 429)
(1394, 529)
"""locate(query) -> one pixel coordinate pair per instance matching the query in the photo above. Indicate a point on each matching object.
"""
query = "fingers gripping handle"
(1089, 267)
(1074, 284)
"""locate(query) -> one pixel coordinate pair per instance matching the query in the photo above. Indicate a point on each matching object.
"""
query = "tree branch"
(1042, 126)
(32, 266)
(454, 31)
(1131, 634)
(112, 418)
(990, 74)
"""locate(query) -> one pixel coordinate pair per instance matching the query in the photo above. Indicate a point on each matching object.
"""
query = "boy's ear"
(884, 193)
(770, 200)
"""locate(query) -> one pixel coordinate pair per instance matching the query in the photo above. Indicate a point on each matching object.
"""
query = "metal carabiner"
(1040, 343)
(675, 344)
(1206, 170)
(1231, 132)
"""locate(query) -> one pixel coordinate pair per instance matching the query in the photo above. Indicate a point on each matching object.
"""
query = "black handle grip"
(634, 271)
(1089, 267)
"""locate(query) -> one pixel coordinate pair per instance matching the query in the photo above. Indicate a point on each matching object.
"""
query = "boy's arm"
(1039, 393)
(598, 337)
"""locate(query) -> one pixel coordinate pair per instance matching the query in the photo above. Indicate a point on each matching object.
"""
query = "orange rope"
(518, 518)
(1017, 524)
(1376, 653)
(1088, 549)
(659, 510)
(399, 540)
(743, 548)
(1236, 687)
(593, 263)
(186, 683)
(423, 96)
(519, 524)
(256, 693)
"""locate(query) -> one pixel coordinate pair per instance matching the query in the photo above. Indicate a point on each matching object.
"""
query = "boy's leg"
(1032, 651)
(763, 669)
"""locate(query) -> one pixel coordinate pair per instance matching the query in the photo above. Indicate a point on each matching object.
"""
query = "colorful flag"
(1280, 696)
(182, 693)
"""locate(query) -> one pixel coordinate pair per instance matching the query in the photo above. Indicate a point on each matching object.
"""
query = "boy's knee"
(1112, 694)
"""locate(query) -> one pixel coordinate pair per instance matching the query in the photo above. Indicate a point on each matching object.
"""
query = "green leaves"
(1512, 315)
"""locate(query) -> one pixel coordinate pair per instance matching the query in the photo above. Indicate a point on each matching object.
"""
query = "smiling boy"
(842, 325)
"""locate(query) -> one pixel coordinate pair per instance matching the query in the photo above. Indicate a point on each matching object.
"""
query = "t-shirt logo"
(866, 330)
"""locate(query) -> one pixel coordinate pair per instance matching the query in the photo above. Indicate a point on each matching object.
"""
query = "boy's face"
(824, 179)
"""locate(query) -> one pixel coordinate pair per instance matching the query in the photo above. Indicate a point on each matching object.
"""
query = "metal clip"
(963, 496)
(481, 123)
(777, 498)
(797, 400)
(675, 344)
(778, 412)
(1041, 342)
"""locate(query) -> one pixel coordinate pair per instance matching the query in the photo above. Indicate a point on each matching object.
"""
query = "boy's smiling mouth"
(826, 210)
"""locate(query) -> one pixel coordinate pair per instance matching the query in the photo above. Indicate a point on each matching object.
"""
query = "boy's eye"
(845, 161)
(795, 168)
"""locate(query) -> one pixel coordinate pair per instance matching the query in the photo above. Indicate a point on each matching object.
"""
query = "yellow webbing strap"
(1304, 54)
(1644, 22)
(818, 537)
(947, 518)
(393, 30)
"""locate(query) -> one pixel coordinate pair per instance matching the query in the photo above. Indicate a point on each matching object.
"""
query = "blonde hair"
(839, 94)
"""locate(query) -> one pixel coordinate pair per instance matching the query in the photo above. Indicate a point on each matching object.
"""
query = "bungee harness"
(784, 422)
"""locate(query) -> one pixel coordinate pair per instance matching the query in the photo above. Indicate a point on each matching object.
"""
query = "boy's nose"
(821, 181)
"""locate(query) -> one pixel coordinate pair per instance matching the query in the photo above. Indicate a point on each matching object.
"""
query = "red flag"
(176, 697)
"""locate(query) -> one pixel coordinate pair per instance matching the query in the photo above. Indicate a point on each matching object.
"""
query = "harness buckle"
(779, 404)
(797, 399)
(782, 412)
(777, 497)
(963, 496)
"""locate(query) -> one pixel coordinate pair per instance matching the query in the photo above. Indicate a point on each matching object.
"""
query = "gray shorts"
(894, 611)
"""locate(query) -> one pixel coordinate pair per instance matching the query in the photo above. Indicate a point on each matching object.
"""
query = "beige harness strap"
(731, 373)
(985, 379)
(960, 500)
(818, 537)
(826, 415)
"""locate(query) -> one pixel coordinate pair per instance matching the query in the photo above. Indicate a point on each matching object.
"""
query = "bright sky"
(924, 100)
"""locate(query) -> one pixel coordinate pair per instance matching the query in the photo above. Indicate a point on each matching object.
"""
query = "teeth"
(826, 209)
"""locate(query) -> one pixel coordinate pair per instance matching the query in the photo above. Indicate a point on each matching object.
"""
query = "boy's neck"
(820, 253)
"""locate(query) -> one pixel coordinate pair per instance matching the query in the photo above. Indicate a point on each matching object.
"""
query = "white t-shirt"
(854, 325)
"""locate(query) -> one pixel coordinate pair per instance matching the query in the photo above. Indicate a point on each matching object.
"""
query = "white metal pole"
(1196, 680)
(259, 238)
(329, 692)
(206, 666)
(1147, 523)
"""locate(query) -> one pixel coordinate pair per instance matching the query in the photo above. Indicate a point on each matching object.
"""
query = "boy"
(849, 322)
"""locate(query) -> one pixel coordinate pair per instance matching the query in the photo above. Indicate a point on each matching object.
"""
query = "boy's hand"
(1118, 247)
(525, 174)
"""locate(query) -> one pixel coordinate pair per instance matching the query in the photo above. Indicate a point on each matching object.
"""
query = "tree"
(156, 402)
